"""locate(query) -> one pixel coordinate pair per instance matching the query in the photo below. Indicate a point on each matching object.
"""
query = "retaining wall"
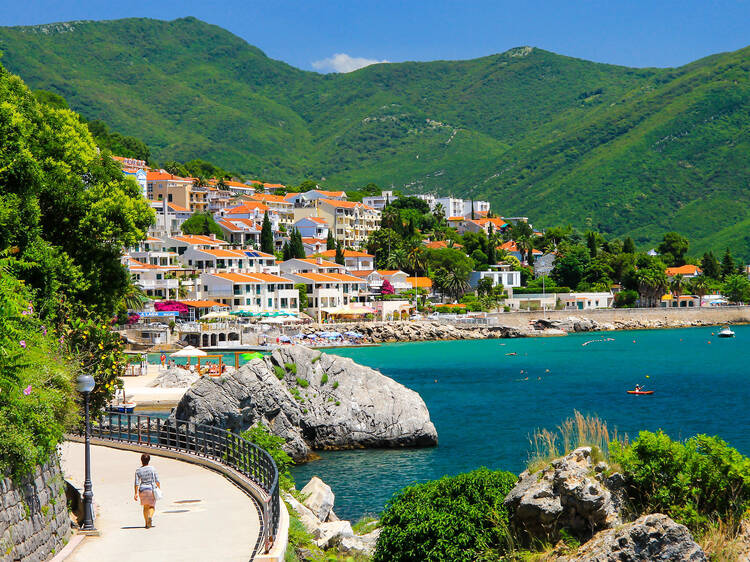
(34, 520)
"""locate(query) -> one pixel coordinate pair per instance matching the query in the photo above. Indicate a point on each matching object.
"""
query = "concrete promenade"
(202, 516)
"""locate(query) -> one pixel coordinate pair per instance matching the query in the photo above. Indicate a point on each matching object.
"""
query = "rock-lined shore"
(407, 331)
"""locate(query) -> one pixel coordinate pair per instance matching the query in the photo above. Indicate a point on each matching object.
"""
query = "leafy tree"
(475, 241)
(266, 235)
(571, 266)
(407, 202)
(698, 286)
(673, 248)
(677, 286)
(484, 286)
(339, 259)
(330, 241)
(652, 283)
(727, 264)
(458, 518)
(710, 266)
(626, 299)
(302, 292)
(381, 244)
(202, 223)
(480, 260)
(736, 288)
(628, 246)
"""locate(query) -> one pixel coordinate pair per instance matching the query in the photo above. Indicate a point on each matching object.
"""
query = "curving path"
(202, 516)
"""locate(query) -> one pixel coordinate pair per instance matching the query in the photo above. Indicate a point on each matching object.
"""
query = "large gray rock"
(355, 407)
(319, 498)
(569, 494)
(648, 539)
(330, 535)
(175, 378)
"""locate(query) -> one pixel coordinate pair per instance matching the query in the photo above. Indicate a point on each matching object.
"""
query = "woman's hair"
(145, 457)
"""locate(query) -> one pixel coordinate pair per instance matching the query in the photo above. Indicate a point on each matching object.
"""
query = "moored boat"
(726, 332)
(640, 391)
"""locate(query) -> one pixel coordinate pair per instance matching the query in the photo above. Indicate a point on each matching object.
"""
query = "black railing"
(207, 442)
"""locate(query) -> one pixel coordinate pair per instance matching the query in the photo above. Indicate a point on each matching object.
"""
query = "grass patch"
(297, 396)
(315, 360)
(302, 382)
(721, 542)
(324, 378)
(280, 372)
(338, 403)
(291, 367)
(578, 431)
(366, 524)
(335, 385)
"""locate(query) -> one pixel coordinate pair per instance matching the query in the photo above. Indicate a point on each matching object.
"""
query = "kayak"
(640, 391)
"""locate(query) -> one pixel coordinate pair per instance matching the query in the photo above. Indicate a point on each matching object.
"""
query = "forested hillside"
(626, 151)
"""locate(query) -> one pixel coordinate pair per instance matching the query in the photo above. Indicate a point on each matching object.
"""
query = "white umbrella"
(212, 315)
(189, 351)
(279, 320)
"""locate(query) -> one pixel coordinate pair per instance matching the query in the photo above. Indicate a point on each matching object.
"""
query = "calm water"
(484, 410)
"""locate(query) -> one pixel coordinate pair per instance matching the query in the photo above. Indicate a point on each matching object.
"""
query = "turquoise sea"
(484, 407)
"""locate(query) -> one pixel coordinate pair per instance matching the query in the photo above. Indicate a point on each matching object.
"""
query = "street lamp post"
(85, 384)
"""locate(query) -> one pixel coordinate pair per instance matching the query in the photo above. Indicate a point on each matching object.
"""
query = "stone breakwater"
(34, 521)
(585, 324)
(314, 401)
(389, 332)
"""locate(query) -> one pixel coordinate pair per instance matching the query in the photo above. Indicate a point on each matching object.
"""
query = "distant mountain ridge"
(558, 139)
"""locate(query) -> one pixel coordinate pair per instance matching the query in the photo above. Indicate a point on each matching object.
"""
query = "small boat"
(122, 408)
(640, 391)
(726, 332)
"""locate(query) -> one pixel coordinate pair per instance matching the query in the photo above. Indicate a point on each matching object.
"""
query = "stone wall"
(34, 521)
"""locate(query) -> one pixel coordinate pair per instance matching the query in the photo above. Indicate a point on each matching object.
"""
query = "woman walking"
(146, 481)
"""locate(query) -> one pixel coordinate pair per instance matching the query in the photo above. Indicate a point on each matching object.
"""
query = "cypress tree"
(628, 246)
(339, 254)
(286, 251)
(491, 247)
(727, 264)
(331, 242)
(297, 247)
(472, 209)
(266, 235)
(710, 266)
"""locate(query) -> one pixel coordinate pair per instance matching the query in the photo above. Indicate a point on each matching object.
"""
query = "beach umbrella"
(355, 335)
(189, 351)
(215, 315)
(335, 334)
(311, 336)
(284, 338)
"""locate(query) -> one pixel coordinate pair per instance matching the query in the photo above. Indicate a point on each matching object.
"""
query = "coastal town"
(225, 254)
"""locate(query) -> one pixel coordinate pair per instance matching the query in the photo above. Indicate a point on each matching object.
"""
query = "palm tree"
(677, 286)
(390, 218)
(134, 298)
(525, 247)
(396, 259)
(652, 284)
(456, 284)
(699, 286)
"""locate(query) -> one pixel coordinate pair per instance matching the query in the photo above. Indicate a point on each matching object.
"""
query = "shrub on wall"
(36, 383)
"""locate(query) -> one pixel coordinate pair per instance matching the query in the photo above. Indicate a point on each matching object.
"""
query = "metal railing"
(205, 441)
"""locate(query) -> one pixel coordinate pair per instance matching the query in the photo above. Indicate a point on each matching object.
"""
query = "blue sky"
(342, 35)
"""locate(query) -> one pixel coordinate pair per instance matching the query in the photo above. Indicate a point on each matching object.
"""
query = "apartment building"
(379, 202)
(312, 227)
(259, 292)
(276, 203)
(353, 259)
(330, 290)
(162, 185)
(245, 232)
(351, 222)
(221, 259)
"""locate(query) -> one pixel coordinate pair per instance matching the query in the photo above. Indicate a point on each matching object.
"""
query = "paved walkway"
(202, 516)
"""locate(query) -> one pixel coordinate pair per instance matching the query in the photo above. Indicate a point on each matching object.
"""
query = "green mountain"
(557, 139)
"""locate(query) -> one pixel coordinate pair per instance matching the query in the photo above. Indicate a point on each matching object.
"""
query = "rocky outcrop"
(314, 401)
(647, 539)
(571, 493)
(326, 530)
(384, 332)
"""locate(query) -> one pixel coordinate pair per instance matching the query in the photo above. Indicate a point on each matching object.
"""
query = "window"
(169, 198)
(270, 303)
(205, 288)
(158, 276)
(271, 288)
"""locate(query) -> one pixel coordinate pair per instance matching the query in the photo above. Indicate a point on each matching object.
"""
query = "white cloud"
(341, 62)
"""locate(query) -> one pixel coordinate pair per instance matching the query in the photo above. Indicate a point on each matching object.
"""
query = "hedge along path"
(202, 515)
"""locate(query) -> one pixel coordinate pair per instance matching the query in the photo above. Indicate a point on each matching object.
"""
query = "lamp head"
(85, 383)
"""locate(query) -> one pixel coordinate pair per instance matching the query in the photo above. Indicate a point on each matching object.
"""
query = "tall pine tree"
(491, 247)
(331, 242)
(339, 254)
(727, 264)
(296, 245)
(266, 235)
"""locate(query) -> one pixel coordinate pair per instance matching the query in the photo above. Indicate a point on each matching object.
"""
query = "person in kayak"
(638, 388)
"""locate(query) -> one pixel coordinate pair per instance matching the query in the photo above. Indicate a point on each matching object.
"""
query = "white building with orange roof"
(307, 265)
(331, 290)
(229, 259)
(314, 245)
(277, 203)
(253, 210)
(688, 271)
(312, 227)
(308, 198)
(354, 260)
(351, 222)
(154, 280)
(169, 217)
(380, 202)
(245, 232)
(497, 224)
(258, 292)
(181, 242)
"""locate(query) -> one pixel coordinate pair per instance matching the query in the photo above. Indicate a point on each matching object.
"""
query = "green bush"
(280, 372)
(37, 399)
(456, 518)
(302, 382)
(694, 482)
(291, 367)
(261, 436)
(335, 384)
(324, 378)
